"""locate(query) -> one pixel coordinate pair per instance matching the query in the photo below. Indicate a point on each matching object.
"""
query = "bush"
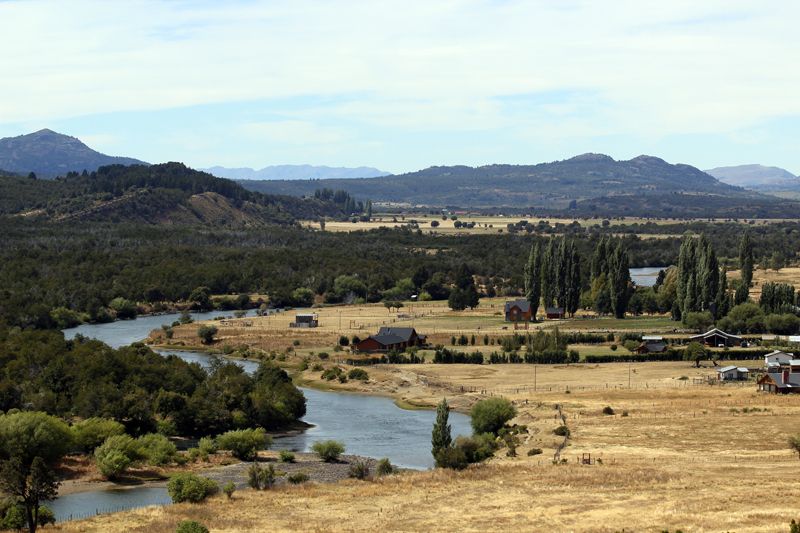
(607, 410)
(298, 478)
(561, 431)
(286, 456)
(359, 470)
(207, 445)
(303, 365)
(329, 450)
(384, 467)
(190, 526)
(166, 428)
(91, 433)
(206, 333)
(157, 449)
(534, 451)
(258, 478)
(187, 487)
(613, 347)
(323, 355)
(244, 444)
(228, 489)
(475, 448)
(344, 341)
(488, 416)
(116, 454)
(451, 457)
(317, 368)
(332, 373)
(358, 374)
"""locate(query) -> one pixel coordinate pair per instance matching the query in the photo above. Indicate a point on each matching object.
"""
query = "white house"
(779, 357)
(733, 373)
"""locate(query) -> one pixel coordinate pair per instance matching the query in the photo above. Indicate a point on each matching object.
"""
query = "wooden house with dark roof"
(518, 311)
(651, 347)
(784, 382)
(389, 338)
(555, 312)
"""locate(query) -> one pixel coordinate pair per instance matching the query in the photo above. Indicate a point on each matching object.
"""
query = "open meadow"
(674, 455)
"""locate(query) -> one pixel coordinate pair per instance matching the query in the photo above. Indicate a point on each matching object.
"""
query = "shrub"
(286, 456)
(157, 449)
(359, 470)
(624, 413)
(329, 450)
(488, 416)
(317, 368)
(613, 347)
(534, 451)
(207, 445)
(358, 374)
(451, 457)
(187, 487)
(475, 448)
(244, 444)
(296, 343)
(384, 467)
(323, 355)
(116, 454)
(228, 489)
(190, 526)
(561, 431)
(332, 373)
(166, 428)
(206, 333)
(342, 378)
(344, 341)
(258, 478)
(91, 433)
(303, 365)
(298, 478)
(607, 410)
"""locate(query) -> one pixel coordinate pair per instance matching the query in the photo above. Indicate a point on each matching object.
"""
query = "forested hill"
(546, 184)
(169, 193)
(48, 154)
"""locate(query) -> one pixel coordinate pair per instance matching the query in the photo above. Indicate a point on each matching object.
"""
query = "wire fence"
(107, 510)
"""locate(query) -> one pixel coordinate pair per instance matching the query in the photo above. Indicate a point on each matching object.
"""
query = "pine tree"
(440, 437)
(533, 279)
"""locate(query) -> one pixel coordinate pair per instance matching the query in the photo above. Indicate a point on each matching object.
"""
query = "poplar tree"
(685, 271)
(368, 207)
(746, 267)
(619, 276)
(600, 260)
(548, 274)
(533, 279)
(440, 437)
(710, 277)
(723, 299)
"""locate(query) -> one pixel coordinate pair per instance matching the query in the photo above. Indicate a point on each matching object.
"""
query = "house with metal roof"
(780, 382)
(555, 312)
(717, 338)
(733, 373)
(778, 358)
(389, 338)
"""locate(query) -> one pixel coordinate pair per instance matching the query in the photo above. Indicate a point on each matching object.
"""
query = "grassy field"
(699, 458)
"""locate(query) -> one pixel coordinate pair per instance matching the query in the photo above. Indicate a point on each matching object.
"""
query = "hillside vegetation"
(169, 193)
(546, 184)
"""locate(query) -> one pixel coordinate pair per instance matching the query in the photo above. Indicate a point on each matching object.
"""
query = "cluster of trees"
(700, 285)
(610, 278)
(554, 276)
(348, 204)
(133, 385)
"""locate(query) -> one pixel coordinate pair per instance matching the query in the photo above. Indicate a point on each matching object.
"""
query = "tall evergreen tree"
(599, 264)
(723, 299)
(710, 284)
(533, 279)
(548, 274)
(620, 277)
(686, 270)
(368, 207)
(440, 437)
(574, 298)
(746, 260)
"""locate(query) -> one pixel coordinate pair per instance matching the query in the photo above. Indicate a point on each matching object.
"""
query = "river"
(369, 426)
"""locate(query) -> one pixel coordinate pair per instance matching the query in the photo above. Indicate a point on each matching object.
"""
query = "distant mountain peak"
(589, 156)
(52, 153)
(757, 177)
(295, 172)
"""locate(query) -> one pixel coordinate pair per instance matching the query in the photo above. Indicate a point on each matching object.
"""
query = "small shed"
(794, 367)
(305, 320)
(733, 373)
(555, 312)
(518, 311)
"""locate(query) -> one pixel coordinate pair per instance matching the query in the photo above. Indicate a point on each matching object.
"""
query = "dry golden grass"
(662, 468)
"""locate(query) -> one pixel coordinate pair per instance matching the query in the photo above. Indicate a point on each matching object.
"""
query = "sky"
(404, 85)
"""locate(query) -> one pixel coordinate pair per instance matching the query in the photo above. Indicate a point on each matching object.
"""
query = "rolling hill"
(48, 154)
(547, 185)
(169, 193)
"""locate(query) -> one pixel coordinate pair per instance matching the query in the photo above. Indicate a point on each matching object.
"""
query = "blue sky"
(403, 85)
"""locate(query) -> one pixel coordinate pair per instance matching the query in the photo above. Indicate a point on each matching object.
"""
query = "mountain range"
(546, 184)
(48, 154)
(757, 178)
(294, 172)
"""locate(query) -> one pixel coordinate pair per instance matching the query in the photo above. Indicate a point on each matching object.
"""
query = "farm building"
(389, 338)
(717, 338)
(780, 383)
(305, 320)
(518, 311)
(555, 312)
(733, 373)
(794, 367)
(778, 358)
(651, 347)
